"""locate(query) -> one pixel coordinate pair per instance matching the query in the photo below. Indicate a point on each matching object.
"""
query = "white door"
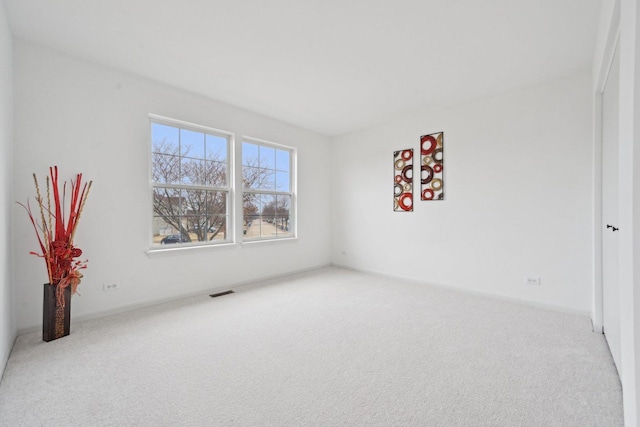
(610, 293)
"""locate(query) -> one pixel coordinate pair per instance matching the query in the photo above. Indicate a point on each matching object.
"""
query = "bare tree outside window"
(191, 184)
(190, 173)
(195, 214)
(190, 170)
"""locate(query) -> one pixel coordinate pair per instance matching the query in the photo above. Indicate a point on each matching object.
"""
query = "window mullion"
(188, 187)
(275, 193)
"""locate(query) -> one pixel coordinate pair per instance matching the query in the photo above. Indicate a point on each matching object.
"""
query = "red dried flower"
(55, 233)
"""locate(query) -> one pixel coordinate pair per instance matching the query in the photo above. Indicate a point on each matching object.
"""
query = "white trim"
(186, 248)
(189, 187)
(231, 181)
(603, 69)
(240, 286)
(267, 192)
(597, 296)
(5, 357)
(628, 169)
(188, 125)
(251, 242)
(524, 302)
(265, 142)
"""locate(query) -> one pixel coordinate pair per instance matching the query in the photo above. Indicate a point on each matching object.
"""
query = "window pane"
(249, 154)
(216, 174)
(267, 157)
(206, 209)
(168, 222)
(163, 137)
(267, 179)
(251, 215)
(166, 231)
(266, 216)
(182, 216)
(268, 210)
(195, 202)
(282, 160)
(282, 181)
(282, 220)
(217, 227)
(192, 143)
(166, 168)
(216, 203)
(166, 202)
(193, 171)
(216, 148)
(193, 224)
(257, 178)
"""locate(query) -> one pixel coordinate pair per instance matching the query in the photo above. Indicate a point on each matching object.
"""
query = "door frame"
(613, 38)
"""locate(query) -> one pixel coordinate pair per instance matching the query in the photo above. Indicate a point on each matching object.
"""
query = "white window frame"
(293, 178)
(229, 188)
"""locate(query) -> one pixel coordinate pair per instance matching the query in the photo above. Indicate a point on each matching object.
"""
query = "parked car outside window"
(174, 238)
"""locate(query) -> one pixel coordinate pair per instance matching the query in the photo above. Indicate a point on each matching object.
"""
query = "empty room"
(319, 213)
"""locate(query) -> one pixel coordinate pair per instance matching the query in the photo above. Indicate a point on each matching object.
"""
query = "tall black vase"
(56, 319)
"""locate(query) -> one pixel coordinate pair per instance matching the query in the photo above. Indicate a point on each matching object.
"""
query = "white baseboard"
(129, 307)
(556, 308)
(5, 357)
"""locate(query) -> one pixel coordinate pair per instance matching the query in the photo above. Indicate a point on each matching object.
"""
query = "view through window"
(191, 185)
(267, 190)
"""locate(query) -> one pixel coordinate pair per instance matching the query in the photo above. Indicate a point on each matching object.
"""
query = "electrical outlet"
(529, 280)
(110, 286)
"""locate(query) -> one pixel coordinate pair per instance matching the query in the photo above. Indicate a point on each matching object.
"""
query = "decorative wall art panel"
(431, 167)
(403, 180)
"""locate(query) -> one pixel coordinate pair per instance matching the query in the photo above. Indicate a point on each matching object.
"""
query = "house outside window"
(191, 180)
(268, 195)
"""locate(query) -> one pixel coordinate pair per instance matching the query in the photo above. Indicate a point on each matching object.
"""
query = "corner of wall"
(8, 329)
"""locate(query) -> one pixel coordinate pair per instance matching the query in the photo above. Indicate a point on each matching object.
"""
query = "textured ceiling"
(329, 66)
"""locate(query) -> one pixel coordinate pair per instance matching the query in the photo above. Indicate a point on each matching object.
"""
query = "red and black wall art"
(431, 167)
(403, 180)
(431, 173)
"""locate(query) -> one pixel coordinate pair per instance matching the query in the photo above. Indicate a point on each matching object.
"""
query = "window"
(191, 184)
(267, 190)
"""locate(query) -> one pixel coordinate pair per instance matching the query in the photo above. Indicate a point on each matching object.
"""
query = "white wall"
(518, 197)
(7, 324)
(87, 118)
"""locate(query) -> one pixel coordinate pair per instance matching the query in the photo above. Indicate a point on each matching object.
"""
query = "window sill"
(158, 252)
(265, 241)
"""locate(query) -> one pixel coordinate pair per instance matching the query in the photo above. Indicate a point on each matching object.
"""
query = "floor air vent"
(219, 294)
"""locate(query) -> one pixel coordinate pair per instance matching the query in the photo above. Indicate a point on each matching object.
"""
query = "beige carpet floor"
(330, 347)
